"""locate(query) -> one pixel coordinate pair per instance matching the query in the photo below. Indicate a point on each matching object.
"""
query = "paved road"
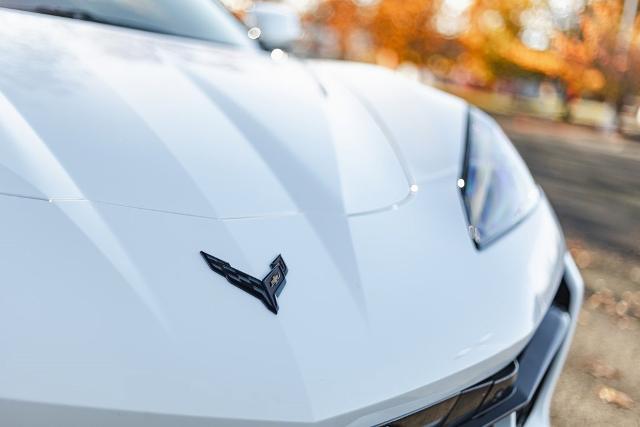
(592, 180)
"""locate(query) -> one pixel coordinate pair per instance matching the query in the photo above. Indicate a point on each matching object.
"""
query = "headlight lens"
(497, 187)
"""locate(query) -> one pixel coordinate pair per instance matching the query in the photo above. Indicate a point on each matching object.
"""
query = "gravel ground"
(593, 182)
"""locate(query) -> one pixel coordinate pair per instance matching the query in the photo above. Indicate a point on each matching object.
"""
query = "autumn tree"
(336, 19)
(406, 28)
(492, 40)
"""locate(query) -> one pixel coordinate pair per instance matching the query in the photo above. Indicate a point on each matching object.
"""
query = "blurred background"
(562, 78)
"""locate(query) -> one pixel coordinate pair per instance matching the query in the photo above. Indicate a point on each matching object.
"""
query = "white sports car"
(195, 232)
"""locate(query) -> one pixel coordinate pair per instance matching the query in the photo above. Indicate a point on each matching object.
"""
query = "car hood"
(125, 154)
(159, 123)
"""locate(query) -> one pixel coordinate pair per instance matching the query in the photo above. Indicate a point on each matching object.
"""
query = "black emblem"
(266, 290)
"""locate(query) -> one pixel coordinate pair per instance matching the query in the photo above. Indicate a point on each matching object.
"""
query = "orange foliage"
(490, 46)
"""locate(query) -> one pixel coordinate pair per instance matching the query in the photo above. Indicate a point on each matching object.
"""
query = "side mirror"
(278, 25)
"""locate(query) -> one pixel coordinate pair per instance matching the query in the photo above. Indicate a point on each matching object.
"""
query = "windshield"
(199, 19)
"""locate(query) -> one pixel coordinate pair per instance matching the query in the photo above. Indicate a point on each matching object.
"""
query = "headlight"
(497, 188)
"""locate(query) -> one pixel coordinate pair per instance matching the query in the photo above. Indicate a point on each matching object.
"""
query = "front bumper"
(112, 382)
(519, 394)
(540, 410)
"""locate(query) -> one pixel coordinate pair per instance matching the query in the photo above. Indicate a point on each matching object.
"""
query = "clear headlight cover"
(497, 187)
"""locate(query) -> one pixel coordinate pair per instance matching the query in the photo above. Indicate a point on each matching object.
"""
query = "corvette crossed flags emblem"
(266, 290)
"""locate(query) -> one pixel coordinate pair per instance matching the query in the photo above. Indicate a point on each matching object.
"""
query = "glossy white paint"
(123, 154)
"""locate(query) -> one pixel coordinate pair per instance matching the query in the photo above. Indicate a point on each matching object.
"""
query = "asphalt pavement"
(592, 179)
(593, 182)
